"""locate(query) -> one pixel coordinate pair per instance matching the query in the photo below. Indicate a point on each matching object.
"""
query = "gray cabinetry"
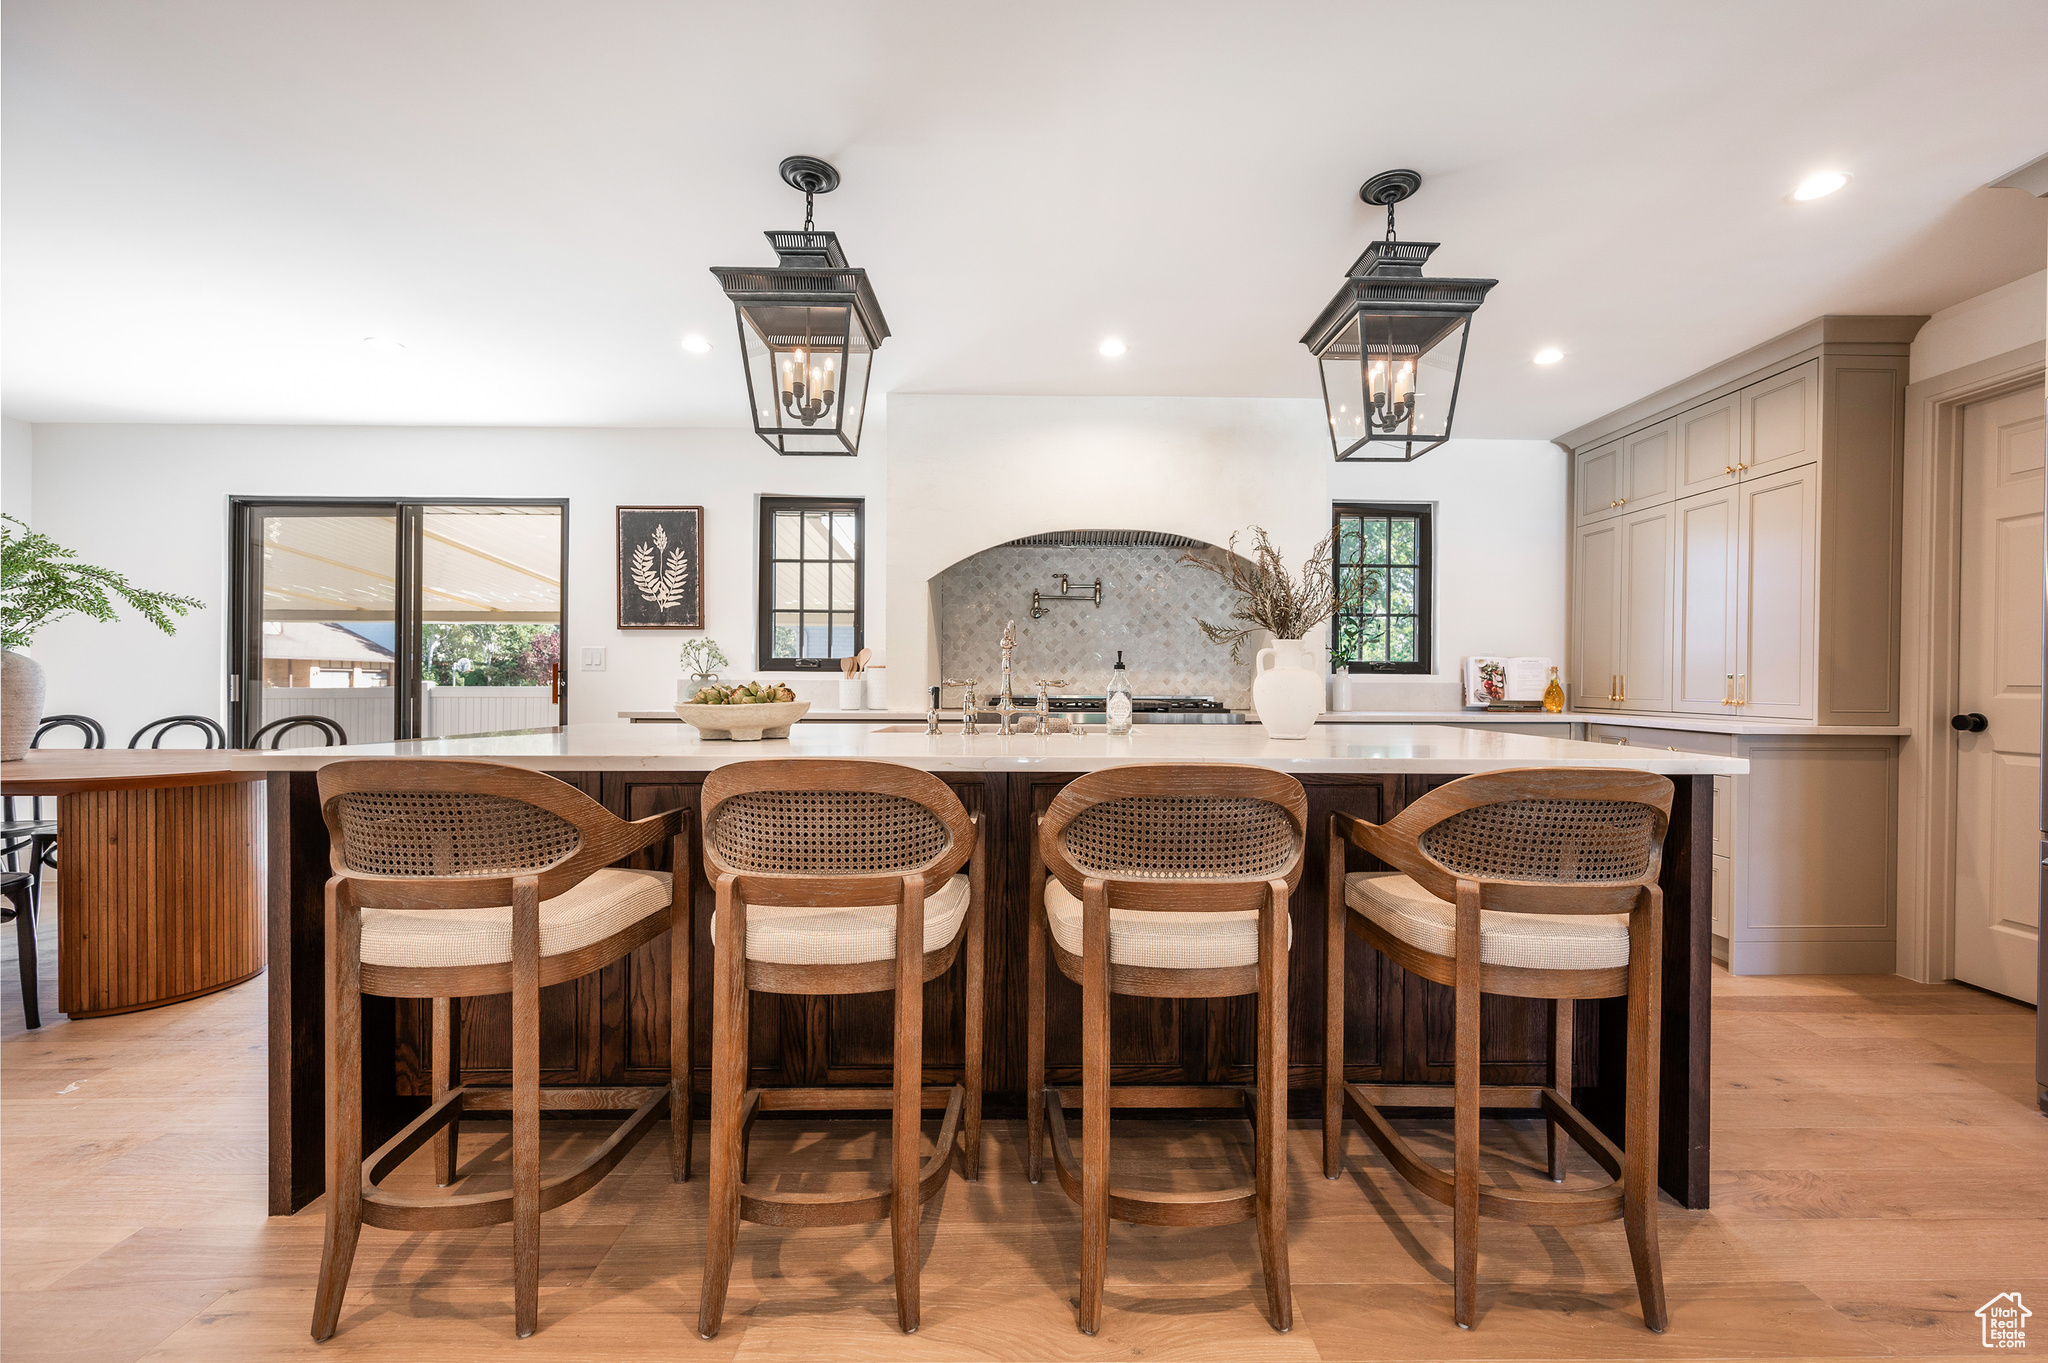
(1771, 485)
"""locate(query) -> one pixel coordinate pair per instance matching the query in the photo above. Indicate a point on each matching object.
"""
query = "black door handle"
(1970, 724)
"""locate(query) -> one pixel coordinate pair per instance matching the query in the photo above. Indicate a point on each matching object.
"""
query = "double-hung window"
(813, 558)
(1384, 559)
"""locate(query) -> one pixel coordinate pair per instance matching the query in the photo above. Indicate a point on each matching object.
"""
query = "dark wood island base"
(612, 1028)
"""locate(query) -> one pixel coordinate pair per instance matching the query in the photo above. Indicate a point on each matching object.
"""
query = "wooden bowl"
(743, 723)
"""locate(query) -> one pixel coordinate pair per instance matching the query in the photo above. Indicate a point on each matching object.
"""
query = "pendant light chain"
(807, 210)
(1390, 220)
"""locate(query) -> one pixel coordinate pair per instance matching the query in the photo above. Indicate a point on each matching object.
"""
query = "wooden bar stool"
(1538, 884)
(1166, 881)
(824, 870)
(458, 879)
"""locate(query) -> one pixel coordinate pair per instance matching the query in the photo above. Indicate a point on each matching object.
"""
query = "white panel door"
(1645, 638)
(1705, 607)
(1998, 771)
(1778, 533)
(1596, 616)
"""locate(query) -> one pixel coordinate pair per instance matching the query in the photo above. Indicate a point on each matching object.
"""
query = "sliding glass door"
(398, 619)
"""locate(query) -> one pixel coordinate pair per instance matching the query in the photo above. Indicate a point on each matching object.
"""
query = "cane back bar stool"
(1535, 883)
(459, 879)
(1166, 882)
(824, 870)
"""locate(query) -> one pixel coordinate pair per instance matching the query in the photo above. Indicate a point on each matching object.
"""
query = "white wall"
(17, 469)
(947, 477)
(152, 502)
(1981, 327)
(966, 473)
(1501, 541)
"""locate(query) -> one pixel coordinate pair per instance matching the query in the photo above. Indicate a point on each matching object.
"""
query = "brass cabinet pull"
(1729, 468)
(1742, 688)
(1728, 690)
(1623, 697)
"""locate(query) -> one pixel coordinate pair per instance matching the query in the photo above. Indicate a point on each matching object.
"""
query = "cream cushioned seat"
(797, 934)
(603, 903)
(1530, 941)
(1161, 940)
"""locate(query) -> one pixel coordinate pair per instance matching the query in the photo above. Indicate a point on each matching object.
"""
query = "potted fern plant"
(1289, 677)
(41, 582)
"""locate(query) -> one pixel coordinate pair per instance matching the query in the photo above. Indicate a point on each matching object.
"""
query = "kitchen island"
(612, 1027)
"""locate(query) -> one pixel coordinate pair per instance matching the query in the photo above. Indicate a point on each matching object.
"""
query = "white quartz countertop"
(1329, 748)
(1696, 724)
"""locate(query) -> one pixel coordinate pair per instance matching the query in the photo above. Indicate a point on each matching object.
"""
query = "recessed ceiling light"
(1548, 355)
(385, 344)
(696, 344)
(1112, 346)
(1820, 184)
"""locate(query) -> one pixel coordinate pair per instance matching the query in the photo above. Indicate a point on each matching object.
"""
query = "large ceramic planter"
(21, 703)
(1287, 690)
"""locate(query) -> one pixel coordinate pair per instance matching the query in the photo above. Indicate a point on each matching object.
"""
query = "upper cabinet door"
(1647, 467)
(1778, 541)
(1644, 640)
(1781, 422)
(1599, 483)
(1596, 616)
(1705, 447)
(1705, 607)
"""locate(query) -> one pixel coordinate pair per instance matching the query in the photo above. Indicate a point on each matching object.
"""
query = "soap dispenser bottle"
(1118, 697)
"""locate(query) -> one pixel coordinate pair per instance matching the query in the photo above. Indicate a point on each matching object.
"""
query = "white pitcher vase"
(1287, 687)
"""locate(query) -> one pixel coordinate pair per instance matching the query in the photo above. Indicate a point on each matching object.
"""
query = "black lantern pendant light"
(1391, 344)
(809, 328)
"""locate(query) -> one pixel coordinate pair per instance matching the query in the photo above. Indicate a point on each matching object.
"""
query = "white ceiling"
(208, 204)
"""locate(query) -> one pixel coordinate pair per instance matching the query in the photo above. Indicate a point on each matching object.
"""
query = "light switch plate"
(593, 660)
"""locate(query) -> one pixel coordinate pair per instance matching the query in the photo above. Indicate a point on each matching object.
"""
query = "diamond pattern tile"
(1150, 601)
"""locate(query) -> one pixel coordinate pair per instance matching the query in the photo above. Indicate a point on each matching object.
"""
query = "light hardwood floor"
(1880, 1172)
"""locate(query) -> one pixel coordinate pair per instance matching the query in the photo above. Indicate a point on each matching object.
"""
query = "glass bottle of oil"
(1553, 695)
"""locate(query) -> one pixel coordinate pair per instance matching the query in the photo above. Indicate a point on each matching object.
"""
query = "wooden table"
(159, 874)
(612, 1027)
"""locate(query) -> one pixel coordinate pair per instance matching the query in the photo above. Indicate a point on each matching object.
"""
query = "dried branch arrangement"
(1268, 597)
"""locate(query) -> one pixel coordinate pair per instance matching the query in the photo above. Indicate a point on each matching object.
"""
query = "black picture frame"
(661, 567)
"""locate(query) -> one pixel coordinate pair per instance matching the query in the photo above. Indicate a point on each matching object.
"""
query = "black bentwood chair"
(216, 737)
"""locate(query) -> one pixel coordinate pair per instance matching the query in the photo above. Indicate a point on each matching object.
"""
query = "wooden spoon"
(860, 659)
(846, 666)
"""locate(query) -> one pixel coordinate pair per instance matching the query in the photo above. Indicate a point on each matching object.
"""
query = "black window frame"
(764, 628)
(1424, 514)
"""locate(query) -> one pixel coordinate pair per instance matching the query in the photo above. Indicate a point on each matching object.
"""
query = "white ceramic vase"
(1287, 688)
(21, 703)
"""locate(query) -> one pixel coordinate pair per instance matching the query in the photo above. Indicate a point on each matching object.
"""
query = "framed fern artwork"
(661, 567)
